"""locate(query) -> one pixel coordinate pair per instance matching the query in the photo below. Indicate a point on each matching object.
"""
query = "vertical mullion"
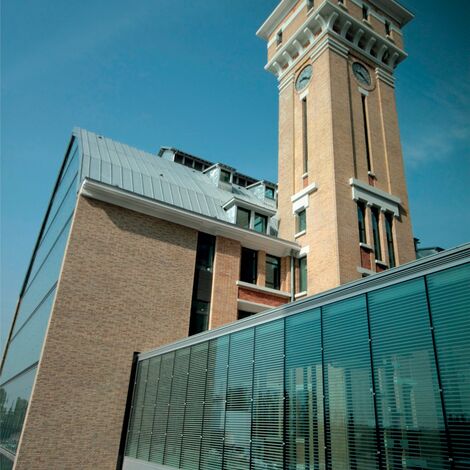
(204, 408)
(438, 373)
(168, 407)
(185, 406)
(325, 431)
(374, 393)
(226, 395)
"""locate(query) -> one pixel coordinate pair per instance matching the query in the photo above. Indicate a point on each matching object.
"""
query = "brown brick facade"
(125, 286)
(263, 298)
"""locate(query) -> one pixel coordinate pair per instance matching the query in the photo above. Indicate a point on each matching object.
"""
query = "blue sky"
(190, 75)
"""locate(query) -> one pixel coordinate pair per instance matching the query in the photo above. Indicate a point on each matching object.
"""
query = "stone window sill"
(299, 234)
(366, 246)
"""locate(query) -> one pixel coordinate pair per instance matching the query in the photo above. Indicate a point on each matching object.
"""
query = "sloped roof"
(116, 164)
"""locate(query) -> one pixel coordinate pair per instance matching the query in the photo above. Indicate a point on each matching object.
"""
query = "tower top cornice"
(391, 7)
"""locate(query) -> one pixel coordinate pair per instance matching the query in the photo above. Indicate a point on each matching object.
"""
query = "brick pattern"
(365, 258)
(125, 286)
(224, 282)
(263, 298)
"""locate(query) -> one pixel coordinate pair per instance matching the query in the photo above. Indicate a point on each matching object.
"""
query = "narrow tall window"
(243, 217)
(279, 38)
(301, 221)
(202, 287)
(361, 219)
(249, 266)
(387, 28)
(365, 12)
(260, 223)
(309, 4)
(273, 272)
(376, 233)
(303, 274)
(366, 132)
(304, 132)
(389, 233)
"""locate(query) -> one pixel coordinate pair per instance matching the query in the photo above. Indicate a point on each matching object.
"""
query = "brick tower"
(342, 189)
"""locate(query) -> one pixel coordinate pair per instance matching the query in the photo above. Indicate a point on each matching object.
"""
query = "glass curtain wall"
(24, 346)
(380, 380)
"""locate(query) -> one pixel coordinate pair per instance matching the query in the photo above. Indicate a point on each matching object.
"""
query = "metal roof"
(107, 161)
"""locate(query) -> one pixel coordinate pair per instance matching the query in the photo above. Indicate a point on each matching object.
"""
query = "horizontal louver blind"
(350, 414)
(409, 407)
(449, 296)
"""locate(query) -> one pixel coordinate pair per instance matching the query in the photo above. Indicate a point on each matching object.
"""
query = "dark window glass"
(387, 28)
(361, 218)
(202, 287)
(309, 4)
(279, 38)
(273, 272)
(304, 133)
(365, 12)
(248, 265)
(188, 162)
(389, 233)
(303, 274)
(376, 233)
(243, 217)
(178, 158)
(302, 221)
(449, 297)
(366, 132)
(242, 314)
(198, 166)
(269, 193)
(411, 423)
(261, 223)
(225, 176)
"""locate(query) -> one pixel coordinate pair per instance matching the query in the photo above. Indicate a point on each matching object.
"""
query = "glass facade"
(377, 380)
(27, 336)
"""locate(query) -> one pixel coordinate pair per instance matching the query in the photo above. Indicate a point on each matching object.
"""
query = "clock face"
(362, 74)
(304, 78)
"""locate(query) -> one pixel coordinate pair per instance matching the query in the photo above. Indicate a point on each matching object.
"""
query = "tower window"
(389, 233)
(304, 136)
(273, 272)
(248, 266)
(387, 28)
(279, 38)
(365, 12)
(309, 4)
(366, 132)
(301, 221)
(243, 217)
(361, 218)
(376, 233)
(303, 274)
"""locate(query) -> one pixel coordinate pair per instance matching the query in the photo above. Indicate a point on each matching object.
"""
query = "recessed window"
(301, 221)
(303, 274)
(243, 217)
(248, 265)
(178, 159)
(242, 314)
(376, 233)
(387, 28)
(269, 192)
(279, 38)
(361, 219)
(389, 233)
(365, 12)
(198, 166)
(188, 162)
(273, 272)
(225, 176)
(261, 223)
(309, 4)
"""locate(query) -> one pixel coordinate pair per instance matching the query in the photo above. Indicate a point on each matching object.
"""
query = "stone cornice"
(349, 34)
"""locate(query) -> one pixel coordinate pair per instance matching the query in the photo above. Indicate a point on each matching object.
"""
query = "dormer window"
(225, 176)
(269, 192)
(260, 223)
(243, 217)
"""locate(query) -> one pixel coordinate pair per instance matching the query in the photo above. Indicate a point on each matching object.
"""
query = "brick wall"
(125, 286)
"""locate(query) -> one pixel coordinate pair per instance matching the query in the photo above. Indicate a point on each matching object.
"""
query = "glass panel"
(449, 296)
(14, 398)
(261, 222)
(190, 453)
(174, 435)
(148, 407)
(249, 266)
(157, 442)
(214, 409)
(136, 409)
(25, 348)
(44, 280)
(389, 234)
(304, 392)
(408, 402)
(225, 176)
(303, 274)
(268, 397)
(361, 217)
(350, 415)
(273, 272)
(239, 405)
(269, 193)
(301, 221)
(376, 233)
(243, 217)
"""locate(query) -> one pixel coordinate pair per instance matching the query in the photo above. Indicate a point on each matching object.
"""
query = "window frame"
(276, 282)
